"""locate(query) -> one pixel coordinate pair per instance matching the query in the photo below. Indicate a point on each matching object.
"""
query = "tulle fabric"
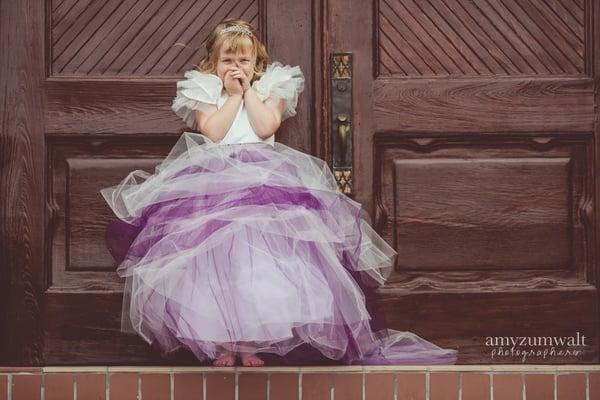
(281, 82)
(252, 248)
(200, 91)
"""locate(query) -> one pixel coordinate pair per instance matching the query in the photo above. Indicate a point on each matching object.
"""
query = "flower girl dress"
(247, 244)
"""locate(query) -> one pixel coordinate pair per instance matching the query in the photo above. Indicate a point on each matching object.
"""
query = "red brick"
(316, 386)
(508, 387)
(27, 386)
(594, 385)
(539, 386)
(284, 386)
(3, 387)
(124, 386)
(475, 386)
(379, 386)
(570, 386)
(58, 386)
(91, 386)
(253, 386)
(188, 386)
(156, 386)
(443, 386)
(220, 386)
(348, 386)
(411, 386)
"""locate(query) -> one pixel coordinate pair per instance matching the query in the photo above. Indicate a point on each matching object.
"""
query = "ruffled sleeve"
(281, 82)
(197, 92)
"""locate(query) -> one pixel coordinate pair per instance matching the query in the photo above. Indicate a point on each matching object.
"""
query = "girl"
(240, 245)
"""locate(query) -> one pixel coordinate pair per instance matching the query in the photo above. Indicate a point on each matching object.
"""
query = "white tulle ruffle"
(199, 91)
(281, 82)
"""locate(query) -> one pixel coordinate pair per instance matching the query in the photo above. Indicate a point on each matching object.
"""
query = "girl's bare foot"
(251, 360)
(226, 359)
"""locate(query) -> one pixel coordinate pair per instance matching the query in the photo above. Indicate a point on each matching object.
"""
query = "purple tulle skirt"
(252, 248)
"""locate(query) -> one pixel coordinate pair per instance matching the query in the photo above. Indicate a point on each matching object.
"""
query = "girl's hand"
(232, 85)
(238, 73)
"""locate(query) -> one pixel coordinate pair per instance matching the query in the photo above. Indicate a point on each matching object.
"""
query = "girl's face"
(229, 61)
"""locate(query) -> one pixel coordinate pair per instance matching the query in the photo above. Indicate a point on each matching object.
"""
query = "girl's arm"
(265, 117)
(215, 123)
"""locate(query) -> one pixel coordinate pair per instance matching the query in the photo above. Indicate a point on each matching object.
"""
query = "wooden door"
(475, 150)
(87, 99)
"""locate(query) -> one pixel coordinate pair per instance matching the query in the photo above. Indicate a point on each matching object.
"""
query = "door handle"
(341, 124)
(343, 132)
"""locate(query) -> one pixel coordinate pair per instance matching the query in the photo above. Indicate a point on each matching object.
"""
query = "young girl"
(241, 245)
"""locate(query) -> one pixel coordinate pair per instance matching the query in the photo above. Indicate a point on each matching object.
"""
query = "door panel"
(474, 150)
(106, 81)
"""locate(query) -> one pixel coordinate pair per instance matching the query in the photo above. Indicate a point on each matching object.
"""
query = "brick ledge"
(308, 369)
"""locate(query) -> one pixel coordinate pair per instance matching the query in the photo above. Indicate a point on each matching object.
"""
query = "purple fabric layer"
(212, 259)
(121, 235)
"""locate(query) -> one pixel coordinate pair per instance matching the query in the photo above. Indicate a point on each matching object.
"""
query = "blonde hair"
(233, 42)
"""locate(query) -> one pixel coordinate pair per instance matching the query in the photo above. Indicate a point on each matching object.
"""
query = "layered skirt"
(252, 248)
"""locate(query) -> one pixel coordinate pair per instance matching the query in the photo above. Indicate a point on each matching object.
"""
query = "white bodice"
(241, 130)
(200, 91)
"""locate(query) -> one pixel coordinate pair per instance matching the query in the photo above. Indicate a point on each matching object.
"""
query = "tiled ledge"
(308, 369)
(352, 368)
(459, 382)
